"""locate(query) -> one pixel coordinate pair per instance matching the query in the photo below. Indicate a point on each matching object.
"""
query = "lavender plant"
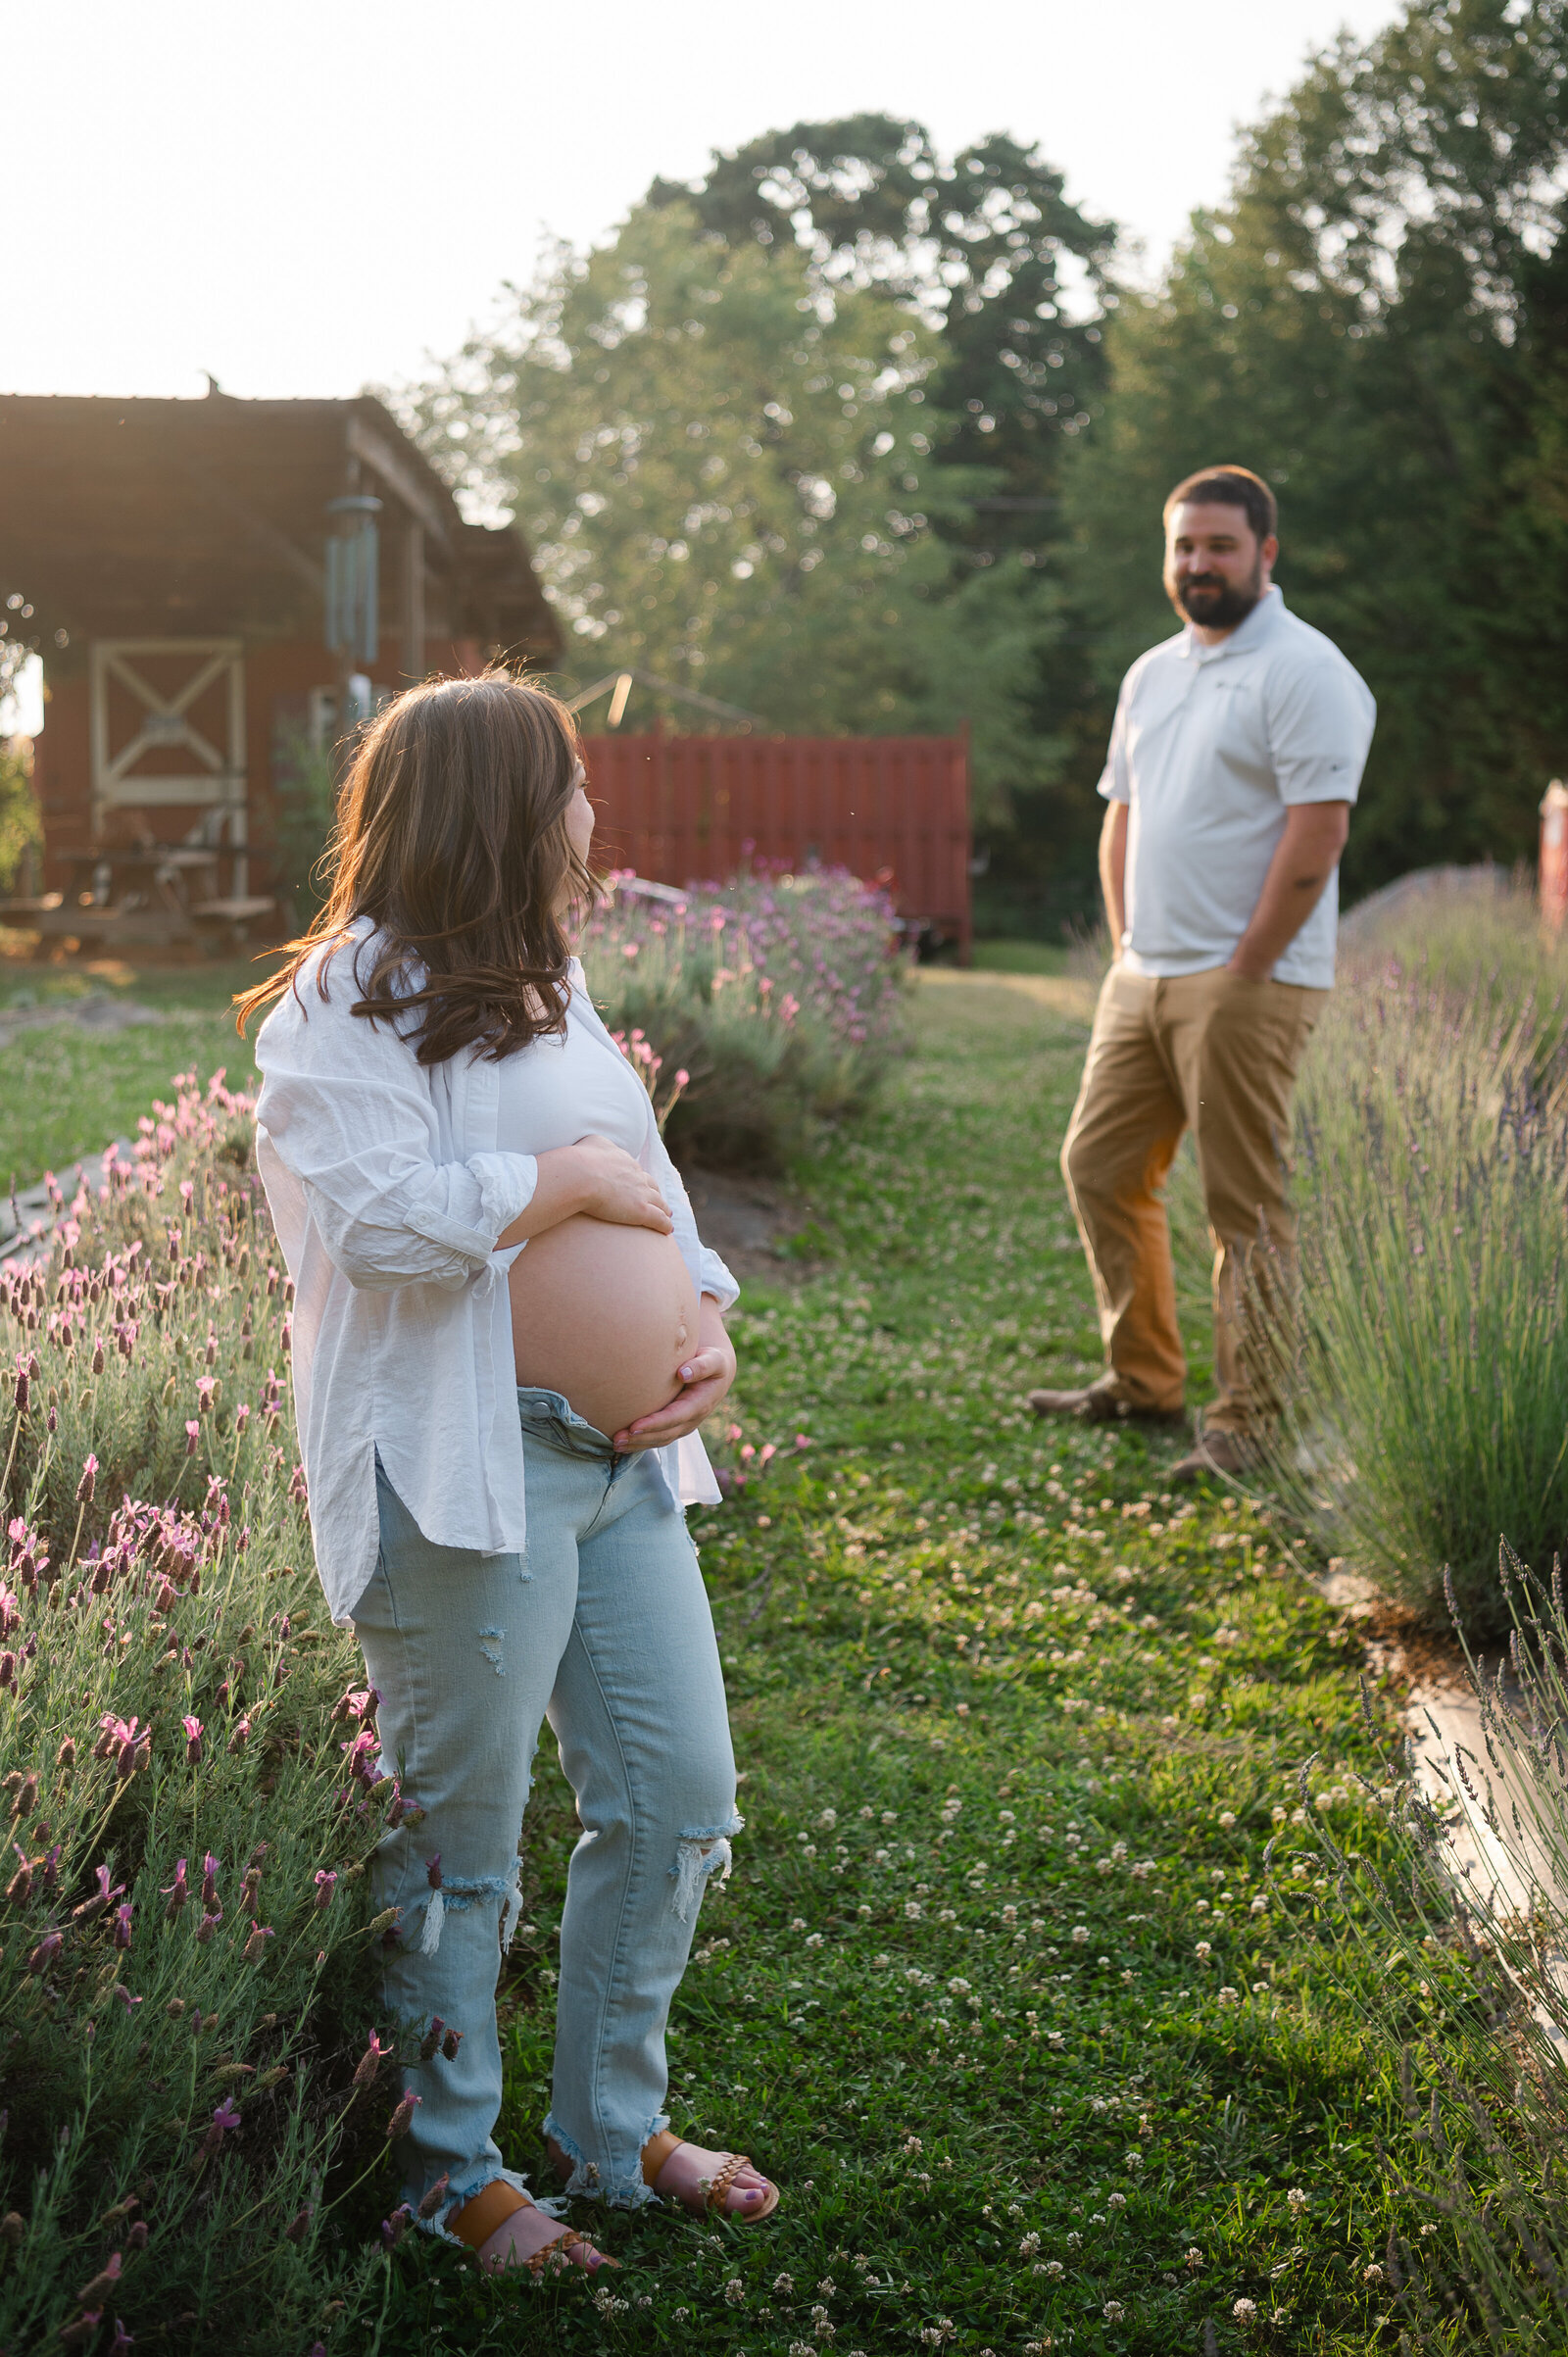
(190, 1784)
(778, 996)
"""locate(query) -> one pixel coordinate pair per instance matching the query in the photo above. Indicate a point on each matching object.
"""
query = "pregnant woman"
(506, 1335)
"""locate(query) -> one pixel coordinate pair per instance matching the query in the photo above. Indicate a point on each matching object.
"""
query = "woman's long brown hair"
(451, 838)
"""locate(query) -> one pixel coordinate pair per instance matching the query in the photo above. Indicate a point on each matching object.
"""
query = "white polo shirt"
(1212, 746)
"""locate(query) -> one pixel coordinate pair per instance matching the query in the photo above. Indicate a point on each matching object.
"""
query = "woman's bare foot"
(692, 2168)
(528, 2230)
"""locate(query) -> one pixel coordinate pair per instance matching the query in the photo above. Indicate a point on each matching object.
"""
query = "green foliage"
(775, 1000)
(180, 2129)
(1432, 1176)
(305, 797)
(1378, 322)
(21, 821)
(725, 469)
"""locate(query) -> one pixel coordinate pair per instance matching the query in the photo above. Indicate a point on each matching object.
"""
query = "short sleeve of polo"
(1320, 716)
(1115, 779)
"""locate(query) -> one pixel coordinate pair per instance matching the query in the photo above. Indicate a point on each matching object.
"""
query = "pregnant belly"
(604, 1315)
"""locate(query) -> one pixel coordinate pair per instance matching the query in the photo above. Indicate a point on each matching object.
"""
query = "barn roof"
(131, 517)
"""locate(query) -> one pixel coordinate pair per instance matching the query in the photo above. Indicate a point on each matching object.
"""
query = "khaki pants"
(1217, 1055)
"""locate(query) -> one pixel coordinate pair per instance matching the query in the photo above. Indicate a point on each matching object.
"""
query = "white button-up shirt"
(388, 1192)
(1210, 746)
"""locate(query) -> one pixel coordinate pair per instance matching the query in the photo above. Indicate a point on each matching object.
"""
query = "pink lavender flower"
(399, 2124)
(121, 1924)
(208, 1926)
(369, 2062)
(255, 1944)
(436, 2194)
(206, 1385)
(192, 1435)
(44, 1955)
(326, 1886)
(193, 1738)
(432, 2039)
(241, 1735)
(212, 1868)
(89, 1481)
(91, 1909)
(225, 2119)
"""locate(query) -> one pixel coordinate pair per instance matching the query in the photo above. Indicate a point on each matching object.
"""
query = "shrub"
(778, 996)
(185, 1947)
(1433, 1180)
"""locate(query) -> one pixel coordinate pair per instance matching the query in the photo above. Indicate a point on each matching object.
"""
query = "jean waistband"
(549, 1417)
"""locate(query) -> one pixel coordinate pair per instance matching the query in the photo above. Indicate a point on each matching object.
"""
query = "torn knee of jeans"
(702, 1853)
(455, 1894)
(490, 1643)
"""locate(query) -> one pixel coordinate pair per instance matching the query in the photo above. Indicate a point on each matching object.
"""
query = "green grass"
(1019, 957)
(65, 1091)
(1014, 1730)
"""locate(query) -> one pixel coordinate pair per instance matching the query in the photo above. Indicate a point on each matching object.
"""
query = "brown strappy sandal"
(710, 2190)
(487, 2213)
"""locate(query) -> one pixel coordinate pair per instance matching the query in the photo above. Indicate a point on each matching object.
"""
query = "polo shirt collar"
(1264, 615)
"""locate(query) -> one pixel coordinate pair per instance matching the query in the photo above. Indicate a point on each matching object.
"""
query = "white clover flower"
(828, 1819)
(1279, 1815)
(1132, 2160)
(1298, 2201)
(913, 1910)
(1113, 2312)
(1203, 1951)
(735, 2291)
(1029, 2248)
(1195, 2258)
(798, 1923)
(1229, 1996)
(1227, 1818)
(1115, 2201)
(1052, 2269)
(880, 1963)
(1080, 1935)
(1245, 2311)
(784, 2283)
(1260, 1906)
(1372, 2273)
(814, 1939)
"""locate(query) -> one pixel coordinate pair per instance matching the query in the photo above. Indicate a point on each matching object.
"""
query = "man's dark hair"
(1230, 487)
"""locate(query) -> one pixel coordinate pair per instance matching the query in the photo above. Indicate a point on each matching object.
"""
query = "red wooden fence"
(688, 810)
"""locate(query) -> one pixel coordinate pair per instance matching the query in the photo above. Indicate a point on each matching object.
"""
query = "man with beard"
(1237, 752)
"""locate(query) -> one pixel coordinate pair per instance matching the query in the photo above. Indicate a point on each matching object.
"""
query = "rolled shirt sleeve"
(357, 1131)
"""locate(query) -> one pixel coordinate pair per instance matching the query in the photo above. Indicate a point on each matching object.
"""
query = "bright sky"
(307, 195)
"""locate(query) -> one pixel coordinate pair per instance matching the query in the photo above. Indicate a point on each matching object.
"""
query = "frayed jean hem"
(475, 2182)
(588, 2182)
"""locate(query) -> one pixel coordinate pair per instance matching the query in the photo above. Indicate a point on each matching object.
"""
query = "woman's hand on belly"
(706, 1378)
(595, 1178)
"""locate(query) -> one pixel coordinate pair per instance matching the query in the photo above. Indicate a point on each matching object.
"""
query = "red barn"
(212, 583)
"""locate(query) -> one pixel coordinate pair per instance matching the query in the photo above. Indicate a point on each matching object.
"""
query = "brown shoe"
(1100, 1403)
(1216, 1456)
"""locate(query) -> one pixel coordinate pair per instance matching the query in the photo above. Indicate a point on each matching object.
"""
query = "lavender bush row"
(779, 997)
(190, 1789)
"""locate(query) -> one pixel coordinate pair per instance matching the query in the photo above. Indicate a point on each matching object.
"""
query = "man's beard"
(1216, 604)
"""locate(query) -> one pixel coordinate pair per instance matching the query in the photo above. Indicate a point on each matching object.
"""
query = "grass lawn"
(66, 1092)
(1000, 1991)
(1019, 957)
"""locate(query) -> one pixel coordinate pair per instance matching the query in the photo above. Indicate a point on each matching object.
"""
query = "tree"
(1378, 322)
(974, 244)
(725, 466)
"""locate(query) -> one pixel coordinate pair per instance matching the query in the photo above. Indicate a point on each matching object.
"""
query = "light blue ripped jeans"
(602, 1628)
